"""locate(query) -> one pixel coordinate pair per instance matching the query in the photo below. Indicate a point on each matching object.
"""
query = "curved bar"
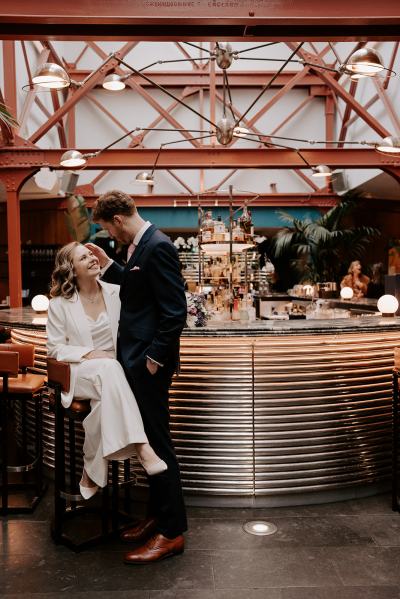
(276, 412)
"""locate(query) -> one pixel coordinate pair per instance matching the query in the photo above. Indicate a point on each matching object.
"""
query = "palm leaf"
(6, 117)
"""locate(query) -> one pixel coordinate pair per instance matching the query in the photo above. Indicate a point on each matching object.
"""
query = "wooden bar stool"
(17, 384)
(67, 499)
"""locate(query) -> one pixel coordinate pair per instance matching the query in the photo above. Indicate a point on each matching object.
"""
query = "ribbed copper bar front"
(275, 414)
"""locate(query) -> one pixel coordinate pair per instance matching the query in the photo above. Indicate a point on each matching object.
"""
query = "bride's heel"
(154, 467)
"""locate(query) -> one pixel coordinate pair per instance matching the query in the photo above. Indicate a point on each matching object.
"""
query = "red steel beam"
(201, 78)
(191, 19)
(204, 157)
(181, 200)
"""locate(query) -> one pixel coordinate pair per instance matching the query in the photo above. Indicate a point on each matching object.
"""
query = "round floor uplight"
(260, 527)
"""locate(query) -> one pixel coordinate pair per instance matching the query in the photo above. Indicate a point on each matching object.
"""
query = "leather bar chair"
(18, 385)
(67, 499)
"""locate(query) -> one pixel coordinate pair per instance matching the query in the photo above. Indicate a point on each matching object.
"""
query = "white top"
(100, 330)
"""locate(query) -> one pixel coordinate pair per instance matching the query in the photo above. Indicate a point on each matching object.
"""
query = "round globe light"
(388, 305)
(45, 178)
(346, 293)
(40, 303)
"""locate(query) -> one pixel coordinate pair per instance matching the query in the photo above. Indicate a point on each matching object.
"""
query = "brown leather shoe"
(156, 548)
(141, 532)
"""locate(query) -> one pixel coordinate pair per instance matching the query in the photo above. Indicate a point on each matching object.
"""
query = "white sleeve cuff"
(103, 270)
(155, 361)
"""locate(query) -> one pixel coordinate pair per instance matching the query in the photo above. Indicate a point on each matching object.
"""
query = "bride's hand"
(98, 353)
(99, 253)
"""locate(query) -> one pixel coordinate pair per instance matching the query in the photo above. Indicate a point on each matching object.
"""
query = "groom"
(153, 314)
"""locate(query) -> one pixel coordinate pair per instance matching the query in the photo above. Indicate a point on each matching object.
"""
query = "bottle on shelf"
(207, 228)
(246, 223)
(219, 230)
(237, 233)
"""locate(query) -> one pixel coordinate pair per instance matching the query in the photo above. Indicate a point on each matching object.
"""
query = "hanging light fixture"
(321, 171)
(389, 145)
(145, 177)
(365, 61)
(52, 76)
(73, 158)
(224, 130)
(113, 82)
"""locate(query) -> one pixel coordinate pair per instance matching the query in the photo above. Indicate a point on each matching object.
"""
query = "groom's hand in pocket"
(151, 366)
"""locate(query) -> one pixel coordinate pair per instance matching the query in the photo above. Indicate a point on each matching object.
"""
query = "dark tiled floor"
(346, 550)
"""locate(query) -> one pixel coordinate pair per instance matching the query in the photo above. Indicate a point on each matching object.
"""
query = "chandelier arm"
(172, 130)
(166, 62)
(266, 87)
(320, 66)
(255, 48)
(271, 59)
(163, 89)
(228, 89)
(112, 143)
(168, 143)
(105, 61)
(199, 48)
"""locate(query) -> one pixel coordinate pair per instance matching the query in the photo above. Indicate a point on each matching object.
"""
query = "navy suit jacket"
(153, 302)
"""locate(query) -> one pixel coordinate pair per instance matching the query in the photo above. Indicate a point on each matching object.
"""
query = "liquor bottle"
(237, 233)
(207, 227)
(219, 230)
(246, 223)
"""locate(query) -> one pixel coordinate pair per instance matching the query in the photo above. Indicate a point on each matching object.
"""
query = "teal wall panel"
(186, 218)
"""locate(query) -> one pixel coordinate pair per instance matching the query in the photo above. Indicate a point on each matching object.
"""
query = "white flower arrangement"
(190, 244)
(197, 313)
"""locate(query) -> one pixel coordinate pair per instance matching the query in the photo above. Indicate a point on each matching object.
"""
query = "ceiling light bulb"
(144, 177)
(51, 76)
(321, 171)
(388, 305)
(389, 145)
(346, 293)
(72, 158)
(365, 61)
(113, 82)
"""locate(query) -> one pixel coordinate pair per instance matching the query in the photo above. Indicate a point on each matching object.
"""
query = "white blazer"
(68, 333)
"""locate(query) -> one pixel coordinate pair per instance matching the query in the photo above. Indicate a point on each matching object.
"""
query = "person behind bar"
(153, 314)
(356, 280)
(82, 329)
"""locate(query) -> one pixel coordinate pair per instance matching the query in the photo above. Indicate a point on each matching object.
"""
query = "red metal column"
(13, 181)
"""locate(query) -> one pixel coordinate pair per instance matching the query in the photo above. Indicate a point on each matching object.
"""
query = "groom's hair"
(112, 203)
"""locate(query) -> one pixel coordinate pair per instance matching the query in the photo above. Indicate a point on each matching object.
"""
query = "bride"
(82, 329)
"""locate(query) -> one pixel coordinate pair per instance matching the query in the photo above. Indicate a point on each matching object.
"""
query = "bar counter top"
(28, 319)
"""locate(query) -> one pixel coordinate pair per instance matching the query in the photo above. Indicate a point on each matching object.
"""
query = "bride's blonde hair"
(63, 279)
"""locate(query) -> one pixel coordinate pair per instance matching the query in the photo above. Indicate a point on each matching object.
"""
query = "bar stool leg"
(72, 461)
(4, 447)
(127, 489)
(59, 478)
(39, 442)
(115, 496)
(395, 442)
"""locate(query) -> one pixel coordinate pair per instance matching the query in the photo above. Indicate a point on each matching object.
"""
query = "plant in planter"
(318, 249)
(7, 121)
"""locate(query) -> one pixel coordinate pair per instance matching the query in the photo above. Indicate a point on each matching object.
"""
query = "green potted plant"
(316, 250)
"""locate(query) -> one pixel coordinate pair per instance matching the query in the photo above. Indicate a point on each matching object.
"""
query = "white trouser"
(114, 423)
